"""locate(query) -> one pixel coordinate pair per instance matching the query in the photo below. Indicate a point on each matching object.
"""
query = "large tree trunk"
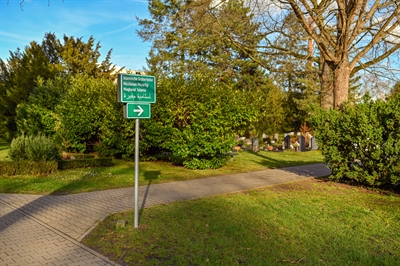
(326, 85)
(341, 83)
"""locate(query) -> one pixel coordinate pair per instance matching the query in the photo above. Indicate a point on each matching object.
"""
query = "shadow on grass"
(267, 161)
(276, 163)
(150, 176)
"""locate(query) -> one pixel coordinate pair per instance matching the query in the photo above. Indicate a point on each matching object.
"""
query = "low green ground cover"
(312, 222)
(122, 173)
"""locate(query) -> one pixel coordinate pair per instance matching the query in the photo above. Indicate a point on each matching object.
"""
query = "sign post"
(137, 92)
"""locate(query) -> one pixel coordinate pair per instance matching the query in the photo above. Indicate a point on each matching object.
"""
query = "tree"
(364, 33)
(37, 115)
(190, 37)
(78, 57)
(186, 38)
(80, 113)
(18, 76)
(51, 58)
(351, 35)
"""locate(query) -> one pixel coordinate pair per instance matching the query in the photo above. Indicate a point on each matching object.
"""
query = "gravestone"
(276, 136)
(237, 137)
(313, 143)
(286, 140)
(254, 144)
(302, 142)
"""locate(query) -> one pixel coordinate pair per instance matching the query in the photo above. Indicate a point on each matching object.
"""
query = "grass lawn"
(122, 173)
(4, 148)
(312, 222)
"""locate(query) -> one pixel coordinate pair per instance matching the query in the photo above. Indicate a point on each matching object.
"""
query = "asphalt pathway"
(47, 230)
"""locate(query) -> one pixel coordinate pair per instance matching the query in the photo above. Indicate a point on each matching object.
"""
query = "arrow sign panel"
(137, 110)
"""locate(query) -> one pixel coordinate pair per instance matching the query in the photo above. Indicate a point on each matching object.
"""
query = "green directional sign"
(137, 110)
(136, 88)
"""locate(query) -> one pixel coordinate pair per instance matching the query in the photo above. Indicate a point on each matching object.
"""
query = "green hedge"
(11, 168)
(68, 164)
(362, 142)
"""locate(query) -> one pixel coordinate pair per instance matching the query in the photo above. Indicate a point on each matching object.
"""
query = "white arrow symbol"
(140, 110)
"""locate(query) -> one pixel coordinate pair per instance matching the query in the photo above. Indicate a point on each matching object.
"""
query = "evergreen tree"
(51, 58)
(189, 37)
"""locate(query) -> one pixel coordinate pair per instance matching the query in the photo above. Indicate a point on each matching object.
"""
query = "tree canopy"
(43, 61)
(351, 35)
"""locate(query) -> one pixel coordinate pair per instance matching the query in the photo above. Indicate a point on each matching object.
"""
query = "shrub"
(193, 121)
(11, 168)
(33, 148)
(96, 162)
(196, 120)
(17, 149)
(81, 112)
(362, 142)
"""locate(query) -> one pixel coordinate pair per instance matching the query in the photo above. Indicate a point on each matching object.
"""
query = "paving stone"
(43, 230)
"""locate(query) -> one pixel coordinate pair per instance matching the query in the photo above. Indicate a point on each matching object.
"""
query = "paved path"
(47, 230)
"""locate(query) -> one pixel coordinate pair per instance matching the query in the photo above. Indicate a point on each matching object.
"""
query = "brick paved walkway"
(47, 230)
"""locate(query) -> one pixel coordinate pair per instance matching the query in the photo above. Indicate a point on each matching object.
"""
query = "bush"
(18, 149)
(81, 112)
(96, 162)
(11, 168)
(194, 122)
(33, 148)
(362, 143)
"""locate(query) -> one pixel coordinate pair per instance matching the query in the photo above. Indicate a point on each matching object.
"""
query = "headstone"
(276, 136)
(237, 137)
(286, 140)
(313, 143)
(254, 144)
(264, 136)
(302, 143)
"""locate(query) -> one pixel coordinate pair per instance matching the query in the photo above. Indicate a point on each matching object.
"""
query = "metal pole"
(136, 172)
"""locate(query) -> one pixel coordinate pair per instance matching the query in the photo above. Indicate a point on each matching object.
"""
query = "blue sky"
(112, 23)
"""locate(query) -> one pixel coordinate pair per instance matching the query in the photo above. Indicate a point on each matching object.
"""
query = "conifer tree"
(51, 58)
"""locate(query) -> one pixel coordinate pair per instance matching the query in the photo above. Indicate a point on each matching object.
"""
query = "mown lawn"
(4, 148)
(122, 173)
(312, 222)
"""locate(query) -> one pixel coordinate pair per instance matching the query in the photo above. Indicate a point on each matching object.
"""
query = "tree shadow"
(276, 163)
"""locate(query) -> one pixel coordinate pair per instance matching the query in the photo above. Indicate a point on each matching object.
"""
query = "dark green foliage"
(11, 168)
(33, 148)
(94, 162)
(362, 142)
(37, 115)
